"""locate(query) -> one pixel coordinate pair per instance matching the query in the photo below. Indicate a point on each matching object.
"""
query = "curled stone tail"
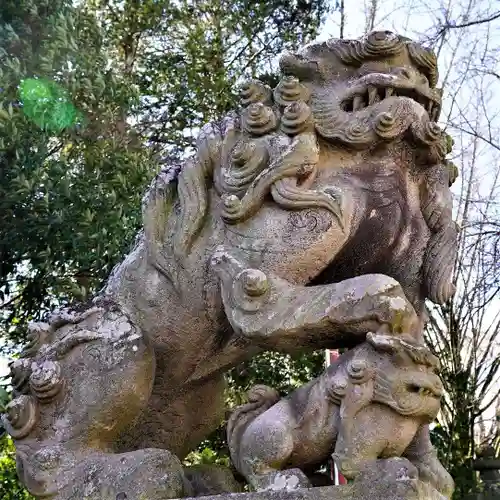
(260, 398)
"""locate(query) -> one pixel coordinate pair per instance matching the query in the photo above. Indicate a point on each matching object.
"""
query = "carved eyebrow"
(419, 354)
(62, 347)
(355, 53)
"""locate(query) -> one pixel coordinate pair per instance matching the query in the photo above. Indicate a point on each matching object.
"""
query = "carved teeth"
(357, 103)
(372, 95)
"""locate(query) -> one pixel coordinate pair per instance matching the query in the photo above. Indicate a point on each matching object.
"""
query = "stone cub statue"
(372, 404)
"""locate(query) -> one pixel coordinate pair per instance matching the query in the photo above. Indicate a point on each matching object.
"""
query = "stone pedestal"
(488, 466)
(403, 490)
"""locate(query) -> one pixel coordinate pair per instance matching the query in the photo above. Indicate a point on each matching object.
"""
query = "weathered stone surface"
(84, 378)
(139, 475)
(369, 406)
(207, 479)
(317, 212)
(404, 489)
(306, 188)
(287, 480)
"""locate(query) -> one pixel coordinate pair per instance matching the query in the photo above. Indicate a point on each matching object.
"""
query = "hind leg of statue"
(262, 451)
(274, 314)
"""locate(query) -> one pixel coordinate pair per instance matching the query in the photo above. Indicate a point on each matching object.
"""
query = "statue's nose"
(410, 74)
(438, 387)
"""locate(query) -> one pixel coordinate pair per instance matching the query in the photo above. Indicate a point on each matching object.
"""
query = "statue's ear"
(356, 397)
(359, 390)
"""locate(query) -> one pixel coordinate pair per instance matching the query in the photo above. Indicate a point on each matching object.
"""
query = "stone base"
(407, 489)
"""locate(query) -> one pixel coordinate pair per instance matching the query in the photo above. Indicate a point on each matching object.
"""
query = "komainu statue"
(371, 403)
(317, 212)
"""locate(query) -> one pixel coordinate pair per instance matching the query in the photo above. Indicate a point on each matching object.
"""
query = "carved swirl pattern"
(383, 42)
(358, 133)
(338, 389)
(232, 208)
(46, 381)
(385, 126)
(248, 159)
(296, 118)
(37, 336)
(299, 157)
(242, 153)
(289, 195)
(290, 90)
(427, 132)
(390, 119)
(21, 416)
(380, 44)
(376, 44)
(425, 59)
(430, 135)
(259, 119)
(309, 220)
(254, 91)
(358, 371)
(20, 371)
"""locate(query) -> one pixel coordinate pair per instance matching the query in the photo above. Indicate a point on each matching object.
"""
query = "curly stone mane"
(441, 251)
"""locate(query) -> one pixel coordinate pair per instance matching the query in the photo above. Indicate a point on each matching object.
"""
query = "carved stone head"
(367, 91)
(363, 109)
(395, 371)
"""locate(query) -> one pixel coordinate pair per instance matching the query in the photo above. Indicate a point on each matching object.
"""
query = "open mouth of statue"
(372, 94)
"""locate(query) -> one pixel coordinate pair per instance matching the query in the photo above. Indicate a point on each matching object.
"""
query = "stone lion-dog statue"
(316, 212)
(368, 406)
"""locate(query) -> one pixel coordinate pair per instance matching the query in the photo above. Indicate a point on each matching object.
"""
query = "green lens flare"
(47, 104)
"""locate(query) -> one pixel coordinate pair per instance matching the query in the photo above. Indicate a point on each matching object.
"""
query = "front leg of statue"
(275, 314)
(424, 457)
